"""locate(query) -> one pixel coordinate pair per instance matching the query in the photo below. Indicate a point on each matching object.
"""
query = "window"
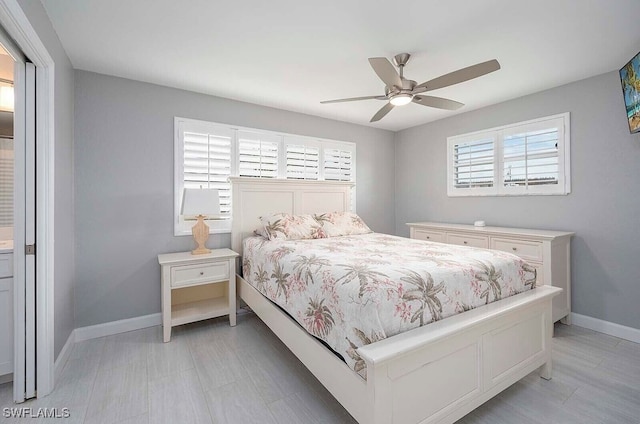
(207, 154)
(527, 158)
(257, 155)
(338, 164)
(203, 155)
(302, 159)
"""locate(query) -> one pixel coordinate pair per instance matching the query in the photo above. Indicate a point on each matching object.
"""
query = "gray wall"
(603, 208)
(124, 183)
(63, 215)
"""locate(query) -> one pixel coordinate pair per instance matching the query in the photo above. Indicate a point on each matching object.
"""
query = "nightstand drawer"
(429, 235)
(524, 249)
(465, 240)
(195, 274)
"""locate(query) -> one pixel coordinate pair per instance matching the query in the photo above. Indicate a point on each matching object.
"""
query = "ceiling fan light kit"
(400, 91)
(401, 99)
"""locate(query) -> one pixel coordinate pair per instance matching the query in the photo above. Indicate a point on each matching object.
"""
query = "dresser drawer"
(468, 240)
(6, 265)
(194, 274)
(429, 235)
(525, 249)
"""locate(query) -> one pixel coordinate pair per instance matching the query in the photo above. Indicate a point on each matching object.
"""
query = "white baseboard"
(606, 327)
(64, 354)
(116, 327)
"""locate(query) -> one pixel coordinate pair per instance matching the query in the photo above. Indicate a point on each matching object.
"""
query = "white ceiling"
(292, 54)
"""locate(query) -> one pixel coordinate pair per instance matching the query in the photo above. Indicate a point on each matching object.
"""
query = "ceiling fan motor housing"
(407, 87)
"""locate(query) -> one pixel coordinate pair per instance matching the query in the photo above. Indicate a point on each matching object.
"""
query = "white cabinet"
(6, 313)
(547, 251)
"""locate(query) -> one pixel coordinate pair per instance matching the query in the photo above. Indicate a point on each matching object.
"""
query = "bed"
(430, 374)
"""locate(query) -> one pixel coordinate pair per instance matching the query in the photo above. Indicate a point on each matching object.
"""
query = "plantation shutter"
(338, 165)
(474, 162)
(531, 155)
(207, 163)
(257, 155)
(302, 161)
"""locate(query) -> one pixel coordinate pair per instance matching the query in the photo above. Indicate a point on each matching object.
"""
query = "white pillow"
(284, 226)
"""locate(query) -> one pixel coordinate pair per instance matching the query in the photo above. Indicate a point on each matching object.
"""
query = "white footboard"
(433, 374)
(440, 372)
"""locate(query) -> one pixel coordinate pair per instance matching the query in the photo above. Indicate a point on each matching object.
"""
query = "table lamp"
(200, 203)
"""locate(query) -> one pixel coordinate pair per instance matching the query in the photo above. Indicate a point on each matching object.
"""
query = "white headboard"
(252, 198)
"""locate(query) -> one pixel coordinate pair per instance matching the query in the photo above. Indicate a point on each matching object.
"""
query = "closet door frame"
(18, 27)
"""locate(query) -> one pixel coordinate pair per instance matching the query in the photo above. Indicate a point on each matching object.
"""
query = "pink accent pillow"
(342, 224)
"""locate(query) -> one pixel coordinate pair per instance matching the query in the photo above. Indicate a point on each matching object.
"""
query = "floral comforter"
(354, 290)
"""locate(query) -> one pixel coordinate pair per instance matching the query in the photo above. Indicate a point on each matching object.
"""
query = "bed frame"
(432, 374)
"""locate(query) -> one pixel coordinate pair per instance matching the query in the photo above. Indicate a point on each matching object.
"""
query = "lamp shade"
(200, 201)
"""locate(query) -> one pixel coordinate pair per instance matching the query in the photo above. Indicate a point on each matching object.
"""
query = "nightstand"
(197, 287)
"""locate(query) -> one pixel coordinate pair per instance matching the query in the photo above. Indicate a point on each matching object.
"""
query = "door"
(24, 376)
(30, 230)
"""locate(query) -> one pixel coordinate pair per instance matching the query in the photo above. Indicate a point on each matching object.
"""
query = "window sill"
(178, 233)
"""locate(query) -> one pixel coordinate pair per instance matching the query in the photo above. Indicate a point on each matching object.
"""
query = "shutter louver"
(207, 164)
(473, 163)
(531, 158)
(302, 162)
(6, 182)
(257, 156)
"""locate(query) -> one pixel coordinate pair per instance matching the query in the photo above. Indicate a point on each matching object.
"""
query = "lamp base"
(199, 251)
(200, 233)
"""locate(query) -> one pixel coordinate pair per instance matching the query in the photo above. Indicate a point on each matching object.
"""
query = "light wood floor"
(213, 373)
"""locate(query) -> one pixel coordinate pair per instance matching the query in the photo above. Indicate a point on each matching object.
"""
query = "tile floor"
(213, 373)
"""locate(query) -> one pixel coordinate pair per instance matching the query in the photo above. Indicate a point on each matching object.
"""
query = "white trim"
(64, 354)
(117, 327)
(606, 327)
(17, 25)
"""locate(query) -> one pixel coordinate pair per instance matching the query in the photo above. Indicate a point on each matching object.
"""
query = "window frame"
(182, 228)
(499, 133)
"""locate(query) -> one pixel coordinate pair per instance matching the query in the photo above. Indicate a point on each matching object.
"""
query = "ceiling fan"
(400, 91)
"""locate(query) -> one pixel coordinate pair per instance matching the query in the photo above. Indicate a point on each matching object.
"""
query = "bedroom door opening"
(17, 219)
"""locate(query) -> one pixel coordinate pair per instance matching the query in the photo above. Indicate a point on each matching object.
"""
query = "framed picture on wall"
(630, 80)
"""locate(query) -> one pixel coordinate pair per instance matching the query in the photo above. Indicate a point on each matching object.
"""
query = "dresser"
(548, 251)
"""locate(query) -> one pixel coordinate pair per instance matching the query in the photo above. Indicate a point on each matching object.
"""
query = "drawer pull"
(465, 242)
(428, 238)
(201, 272)
(514, 248)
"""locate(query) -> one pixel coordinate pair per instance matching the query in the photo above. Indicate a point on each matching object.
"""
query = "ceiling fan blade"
(461, 75)
(353, 99)
(386, 71)
(382, 112)
(437, 102)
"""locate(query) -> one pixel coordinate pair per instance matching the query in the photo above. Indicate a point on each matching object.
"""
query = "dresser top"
(172, 258)
(522, 232)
